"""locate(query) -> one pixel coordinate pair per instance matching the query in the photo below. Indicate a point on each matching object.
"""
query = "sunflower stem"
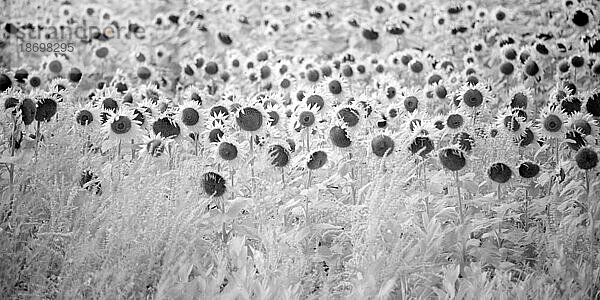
(591, 216)
(308, 140)
(353, 177)
(119, 150)
(526, 225)
(282, 178)
(307, 198)
(508, 89)
(425, 190)
(460, 206)
(223, 225)
(195, 143)
(252, 161)
(11, 173)
(37, 139)
(132, 150)
(557, 155)
(498, 192)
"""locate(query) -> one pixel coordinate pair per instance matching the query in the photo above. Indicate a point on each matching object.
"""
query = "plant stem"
(308, 139)
(309, 177)
(591, 216)
(196, 143)
(252, 161)
(526, 212)
(37, 139)
(460, 206)
(223, 225)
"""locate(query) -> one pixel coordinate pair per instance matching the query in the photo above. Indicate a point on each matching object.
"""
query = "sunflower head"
(421, 145)
(317, 160)
(586, 158)
(84, 117)
(249, 119)
(552, 123)
(279, 156)
(499, 172)
(382, 145)
(528, 169)
(46, 109)
(452, 158)
(213, 184)
(166, 127)
(339, 137)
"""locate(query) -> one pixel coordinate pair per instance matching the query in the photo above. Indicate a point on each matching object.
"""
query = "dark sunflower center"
(121, 125)
(228, 151)
(455, 121)
(307, 118)
(250, 119)
(552, 123)
(190, 116)
(473, 98)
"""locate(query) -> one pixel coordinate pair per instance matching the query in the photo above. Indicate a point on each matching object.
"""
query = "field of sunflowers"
(299, 149)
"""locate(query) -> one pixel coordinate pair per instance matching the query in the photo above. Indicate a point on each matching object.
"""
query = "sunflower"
(305, 118)
(214, 132)
(35, 80)
(455, 121)
(54, 65)
(195, 94)
(285, 84)
(521, 98)
(151, 92)
(139, 54)
(191, 116)
(251, 118)
(62, 88)
(474, 97)
(103, 54)
(316, 99)
(350, 116)
(47, 106)
(120, 128)
(481, 13)
(278, 154)
(229, 152)
(340, 138)
(384, 144)
(528, 138)
(188, 71)
(121, 82)
(10, 100)
(169, 127)
(277, 121)
(552, 123)
(412, 99)
(452, 158)
(500, 172)
(585, 124)
(510, 121)
(88, 117)
(144, 72)
(533, 70)
(154, 146)
(335, 86)
(500, 14)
